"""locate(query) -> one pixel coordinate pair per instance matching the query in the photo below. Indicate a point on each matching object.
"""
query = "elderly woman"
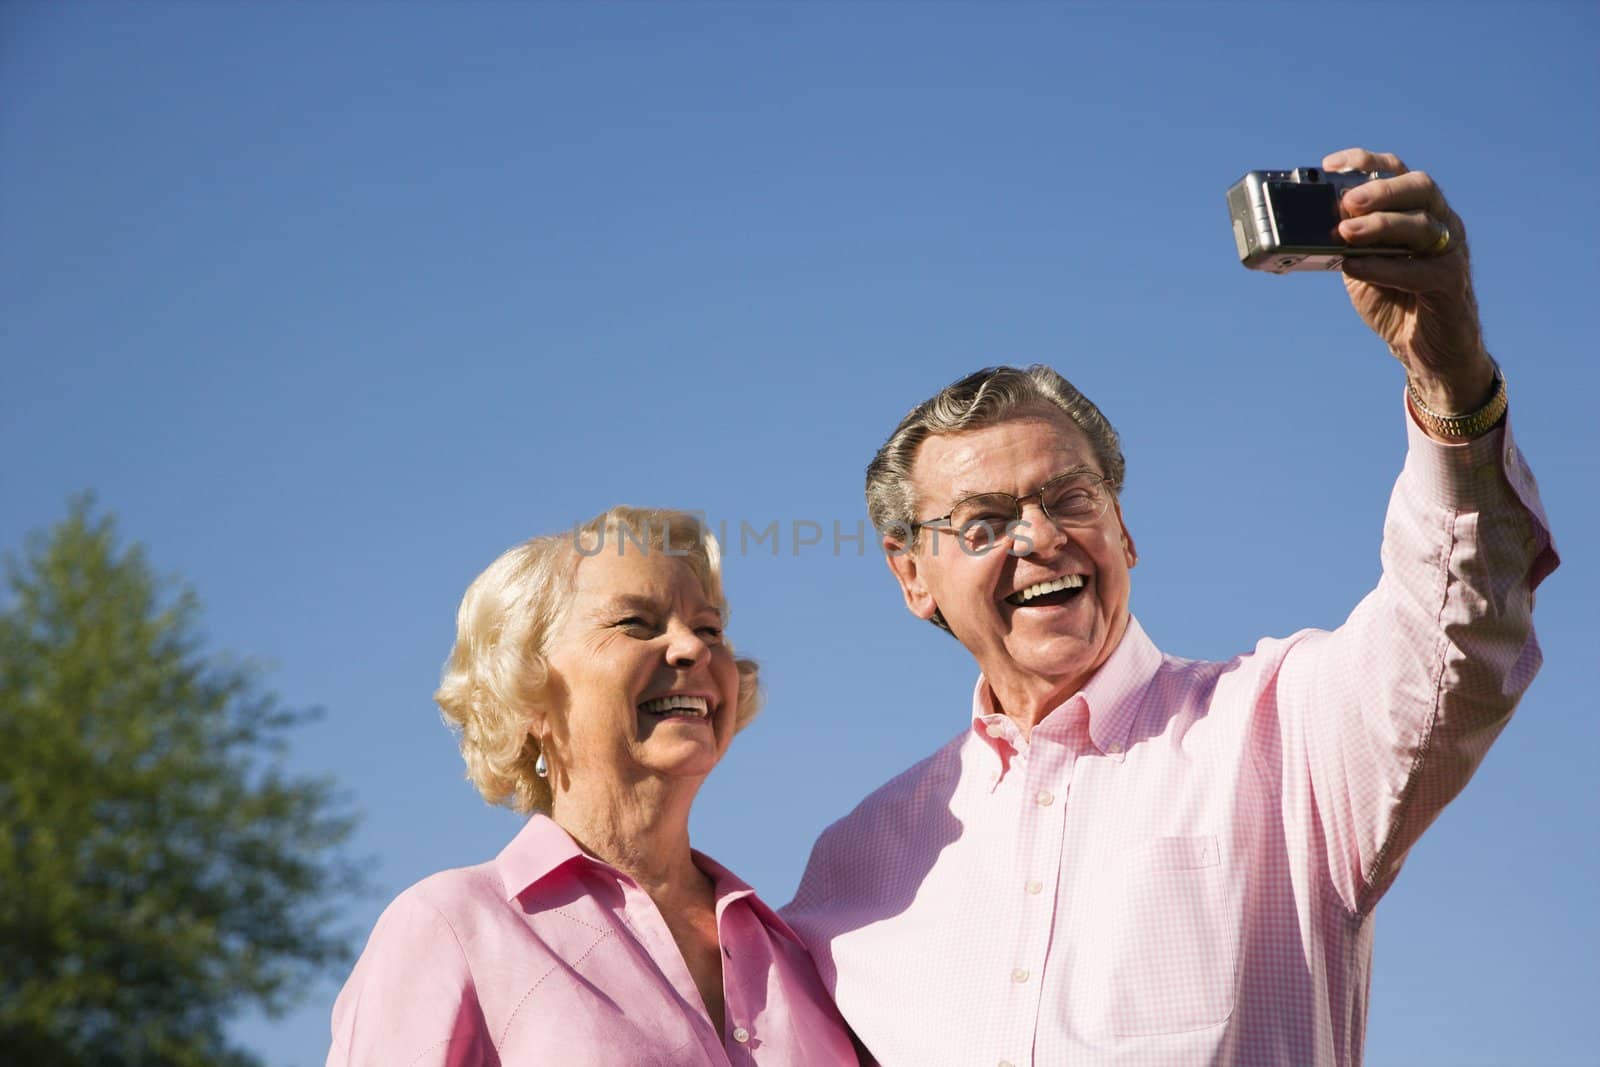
(592, 686)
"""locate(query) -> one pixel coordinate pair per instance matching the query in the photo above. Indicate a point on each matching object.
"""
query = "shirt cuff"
(1482, 474)
(1460, 475)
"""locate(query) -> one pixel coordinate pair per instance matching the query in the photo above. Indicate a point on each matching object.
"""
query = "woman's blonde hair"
(496, 675)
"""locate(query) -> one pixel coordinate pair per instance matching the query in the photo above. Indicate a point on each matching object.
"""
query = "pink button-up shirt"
(549, 956)
(1180, 865)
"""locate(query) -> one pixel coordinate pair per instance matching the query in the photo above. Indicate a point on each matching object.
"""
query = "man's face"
(1048, 647)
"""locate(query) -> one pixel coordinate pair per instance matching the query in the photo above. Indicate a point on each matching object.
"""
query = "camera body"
(1287, 220)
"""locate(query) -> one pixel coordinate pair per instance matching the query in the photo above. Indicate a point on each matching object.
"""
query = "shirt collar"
(1113, 693)
(542, 848)
(1112, 696)
(729, 887)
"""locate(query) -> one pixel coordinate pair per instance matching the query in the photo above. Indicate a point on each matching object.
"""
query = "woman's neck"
(641, 829)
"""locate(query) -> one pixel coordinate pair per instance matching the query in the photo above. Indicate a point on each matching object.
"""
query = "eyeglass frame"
(1104, 486)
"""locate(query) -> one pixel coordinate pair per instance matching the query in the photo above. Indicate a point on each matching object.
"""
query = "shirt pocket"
(1173, 939)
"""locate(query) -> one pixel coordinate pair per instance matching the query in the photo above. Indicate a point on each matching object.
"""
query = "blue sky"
(330, 303)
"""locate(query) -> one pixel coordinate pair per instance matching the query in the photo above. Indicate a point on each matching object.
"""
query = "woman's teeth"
(1039, 589)
(679, 704)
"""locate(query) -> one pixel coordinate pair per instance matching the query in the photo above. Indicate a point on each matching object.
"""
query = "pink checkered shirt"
(1180, 865)
(549, 956)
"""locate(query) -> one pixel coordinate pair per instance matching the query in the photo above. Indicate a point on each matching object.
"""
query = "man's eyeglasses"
(1077, 498)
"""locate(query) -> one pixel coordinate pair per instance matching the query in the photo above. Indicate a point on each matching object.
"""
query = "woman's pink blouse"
(546, 955)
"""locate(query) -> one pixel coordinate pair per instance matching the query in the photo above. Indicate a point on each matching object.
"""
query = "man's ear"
(1129, 552)
(904, 563)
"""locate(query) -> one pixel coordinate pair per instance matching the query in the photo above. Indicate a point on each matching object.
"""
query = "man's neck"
(1028, 700)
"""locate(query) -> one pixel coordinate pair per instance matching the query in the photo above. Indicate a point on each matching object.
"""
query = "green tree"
(159, 871)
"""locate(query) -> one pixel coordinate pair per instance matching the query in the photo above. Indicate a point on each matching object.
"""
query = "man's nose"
(1037, 533)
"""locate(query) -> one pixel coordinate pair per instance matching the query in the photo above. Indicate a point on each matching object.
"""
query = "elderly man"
(1132, 858)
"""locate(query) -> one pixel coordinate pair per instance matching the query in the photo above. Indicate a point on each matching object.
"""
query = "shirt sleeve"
(1389, 716)
(410, 1002)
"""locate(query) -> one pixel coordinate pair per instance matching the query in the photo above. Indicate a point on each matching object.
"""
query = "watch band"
(1472, 424)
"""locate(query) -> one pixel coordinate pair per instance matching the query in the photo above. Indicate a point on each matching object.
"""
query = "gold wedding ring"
(1438, 247)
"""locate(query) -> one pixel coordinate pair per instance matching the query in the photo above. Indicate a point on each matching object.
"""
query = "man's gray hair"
(984, 398)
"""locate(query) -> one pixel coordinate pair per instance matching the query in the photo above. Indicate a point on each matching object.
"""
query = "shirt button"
(996, 730)
(740, 1034)
(1045, 798)
(1114, 749)
(1019, 976)
(1034, 888)
(1006, 1063)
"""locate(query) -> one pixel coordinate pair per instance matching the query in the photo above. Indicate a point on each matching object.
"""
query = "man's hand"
(1422, 306)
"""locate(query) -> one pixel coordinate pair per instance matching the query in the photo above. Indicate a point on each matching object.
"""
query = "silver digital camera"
(1287, 220)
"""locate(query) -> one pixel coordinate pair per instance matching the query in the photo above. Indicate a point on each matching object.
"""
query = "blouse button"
(740, 1034)
(1045, 798)
(1019, 976)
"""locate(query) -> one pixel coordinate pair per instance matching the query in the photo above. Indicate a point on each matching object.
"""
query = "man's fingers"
(1412, 191)
(1390, 273)
(1416, 230)
(1362, 159)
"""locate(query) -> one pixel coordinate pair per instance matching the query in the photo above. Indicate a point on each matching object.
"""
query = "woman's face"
(642, 683)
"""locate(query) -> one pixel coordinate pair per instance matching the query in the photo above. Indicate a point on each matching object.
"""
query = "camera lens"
(1312, 175)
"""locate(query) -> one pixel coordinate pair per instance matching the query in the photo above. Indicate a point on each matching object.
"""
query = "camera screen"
(1306, 213)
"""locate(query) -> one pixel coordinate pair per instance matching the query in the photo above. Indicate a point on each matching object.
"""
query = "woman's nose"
(685, 647)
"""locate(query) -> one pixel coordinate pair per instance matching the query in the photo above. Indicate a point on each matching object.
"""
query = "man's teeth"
(1054, 585)
(696, 706)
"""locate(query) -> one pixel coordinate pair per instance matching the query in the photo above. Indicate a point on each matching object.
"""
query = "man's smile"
(1048, 593)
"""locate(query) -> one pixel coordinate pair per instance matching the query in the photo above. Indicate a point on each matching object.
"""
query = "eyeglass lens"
(1074, 499)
